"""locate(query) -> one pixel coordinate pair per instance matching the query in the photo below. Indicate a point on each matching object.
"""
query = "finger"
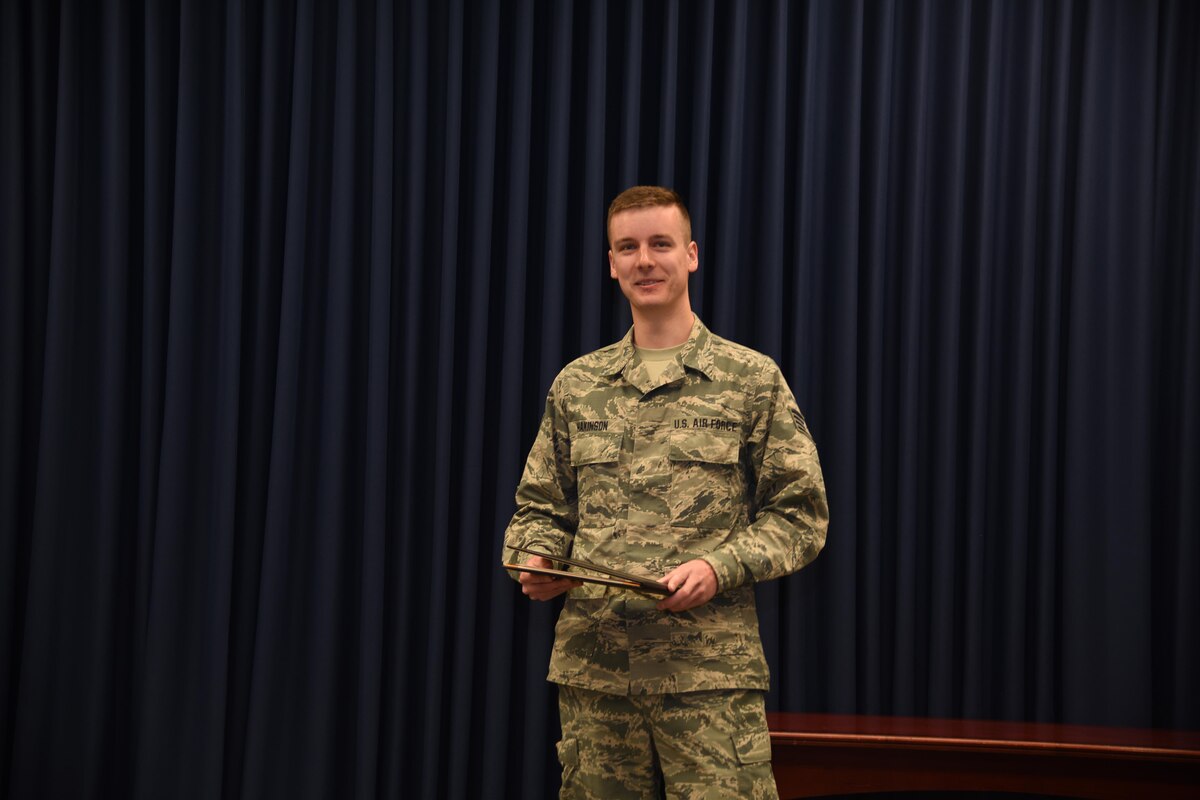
(675, 581)
(533, 577)
(543, 583)
(548, 595)
(550, 588)
(684, 598)
(671, 603)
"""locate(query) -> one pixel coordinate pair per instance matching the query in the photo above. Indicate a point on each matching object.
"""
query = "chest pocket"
(705, 491)
(595, 456)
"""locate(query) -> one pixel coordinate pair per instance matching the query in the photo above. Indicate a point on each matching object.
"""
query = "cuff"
(730, 574)
(513, 557)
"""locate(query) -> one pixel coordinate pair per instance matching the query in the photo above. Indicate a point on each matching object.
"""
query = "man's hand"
(543, 587)
(694, 584)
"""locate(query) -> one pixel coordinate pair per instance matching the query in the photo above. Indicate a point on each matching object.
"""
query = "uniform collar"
(696, 352)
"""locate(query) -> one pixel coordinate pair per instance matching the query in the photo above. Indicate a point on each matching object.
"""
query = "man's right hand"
(544, 587)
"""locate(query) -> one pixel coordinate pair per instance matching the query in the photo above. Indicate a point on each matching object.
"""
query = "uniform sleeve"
(547, 510)
(790, 515)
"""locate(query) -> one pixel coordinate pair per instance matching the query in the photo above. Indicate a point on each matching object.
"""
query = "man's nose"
(643, 259)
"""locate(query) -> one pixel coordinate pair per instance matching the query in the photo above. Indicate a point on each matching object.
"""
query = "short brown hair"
(647, 197)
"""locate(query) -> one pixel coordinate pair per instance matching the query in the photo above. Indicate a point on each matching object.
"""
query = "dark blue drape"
(283, 283)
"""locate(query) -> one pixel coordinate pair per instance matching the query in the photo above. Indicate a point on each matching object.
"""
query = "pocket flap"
(568, 752)
(595, 448)
(753, 747)
(706, 446)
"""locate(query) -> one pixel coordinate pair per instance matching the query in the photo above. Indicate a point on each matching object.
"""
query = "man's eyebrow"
(651, 237)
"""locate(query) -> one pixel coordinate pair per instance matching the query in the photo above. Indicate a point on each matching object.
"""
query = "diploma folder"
(607, 576)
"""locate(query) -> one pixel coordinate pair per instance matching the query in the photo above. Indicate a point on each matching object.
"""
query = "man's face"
(651, 258)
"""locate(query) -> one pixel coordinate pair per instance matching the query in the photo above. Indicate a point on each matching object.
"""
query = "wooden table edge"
(798, 739)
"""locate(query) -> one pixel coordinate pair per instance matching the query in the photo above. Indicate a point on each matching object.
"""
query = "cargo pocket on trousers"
(752, 747)
(755, 777)
(568, 756)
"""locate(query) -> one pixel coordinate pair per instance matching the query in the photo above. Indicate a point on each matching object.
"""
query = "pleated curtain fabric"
(283, 284)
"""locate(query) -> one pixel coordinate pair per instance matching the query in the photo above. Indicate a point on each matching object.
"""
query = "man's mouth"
(648, 282)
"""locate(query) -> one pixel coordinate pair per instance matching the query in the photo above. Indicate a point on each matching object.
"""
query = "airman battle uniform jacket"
(711, 460)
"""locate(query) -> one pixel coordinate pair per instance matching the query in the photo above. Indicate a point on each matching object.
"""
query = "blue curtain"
(283, 284)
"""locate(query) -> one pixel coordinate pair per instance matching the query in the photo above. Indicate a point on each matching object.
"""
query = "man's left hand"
(694, 584)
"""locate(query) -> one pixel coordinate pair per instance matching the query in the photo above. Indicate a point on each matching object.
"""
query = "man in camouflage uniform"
(671, 453)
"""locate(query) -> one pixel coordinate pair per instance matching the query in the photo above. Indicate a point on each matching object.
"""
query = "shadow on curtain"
(283, 285)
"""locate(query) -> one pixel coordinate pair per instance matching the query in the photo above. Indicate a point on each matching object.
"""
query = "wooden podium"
(824, 754)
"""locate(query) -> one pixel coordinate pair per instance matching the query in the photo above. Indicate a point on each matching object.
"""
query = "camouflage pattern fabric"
(713, 460)
(710, 745)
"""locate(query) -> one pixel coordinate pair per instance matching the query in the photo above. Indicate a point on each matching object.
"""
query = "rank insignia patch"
(800, 423)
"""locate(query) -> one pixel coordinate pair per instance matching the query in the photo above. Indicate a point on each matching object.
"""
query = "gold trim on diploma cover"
(607, 577)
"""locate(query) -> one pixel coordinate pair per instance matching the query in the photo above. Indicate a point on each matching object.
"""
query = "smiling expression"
(651, 258)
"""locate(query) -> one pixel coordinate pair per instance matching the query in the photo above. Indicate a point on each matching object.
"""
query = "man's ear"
(693, 256)
(612, 266)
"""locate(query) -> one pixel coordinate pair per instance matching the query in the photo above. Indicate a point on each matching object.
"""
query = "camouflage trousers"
(691, 745)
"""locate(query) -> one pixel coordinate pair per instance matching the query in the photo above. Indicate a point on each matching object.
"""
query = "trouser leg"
(714, 745)
(606, 750)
